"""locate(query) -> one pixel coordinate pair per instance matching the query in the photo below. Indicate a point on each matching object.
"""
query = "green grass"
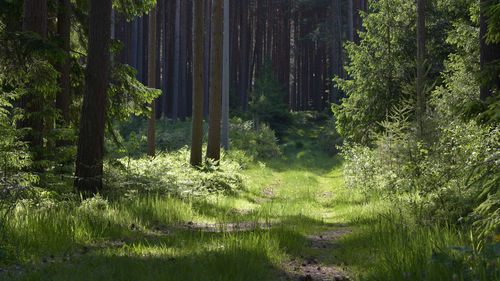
(156, 237)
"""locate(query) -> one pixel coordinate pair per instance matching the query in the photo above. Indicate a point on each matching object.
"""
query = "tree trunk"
(34, 20)
(63, 32)
(490, 52)
(244, 55)
(198, 85)
(420, 108)
(213, 149)
(183, 61)
(88, 175)
(207, 40)
(350, 20)
(225, 79)
(175, 96)
(152, 80)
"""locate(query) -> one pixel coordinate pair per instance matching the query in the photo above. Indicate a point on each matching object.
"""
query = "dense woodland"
(249, 140)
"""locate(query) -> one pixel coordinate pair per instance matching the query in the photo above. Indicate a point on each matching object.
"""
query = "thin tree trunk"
(88, 175)
(225, 79)
(152, 80)
(350, 20)
(213, 149)
(244, 56)
(198, 84)
(175, 97)
(183, 62)
(63, 32)
(34, 20)
(208, 31)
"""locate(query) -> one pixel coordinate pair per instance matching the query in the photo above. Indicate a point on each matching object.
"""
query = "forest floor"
(284, 226)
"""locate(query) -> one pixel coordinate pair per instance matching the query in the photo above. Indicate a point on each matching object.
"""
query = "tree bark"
(175, 96)
(213, 149)
(34, 20)
(88, 175)
(350, 20)
(198, 85)
(63, 32)
(244, 56)
(225, 79)
(152, 80)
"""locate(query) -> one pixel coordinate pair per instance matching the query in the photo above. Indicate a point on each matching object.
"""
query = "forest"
(292, 140)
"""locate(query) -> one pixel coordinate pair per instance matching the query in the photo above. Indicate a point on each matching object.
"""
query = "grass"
(159, 237)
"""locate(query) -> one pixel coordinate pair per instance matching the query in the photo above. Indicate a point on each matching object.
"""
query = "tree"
(198, 85)
(213, 148)
(89, 166)
(34, 20)
(63, 32)
(152, 80)
(177, 46)
(421, 104)
(490, 52)
(225, 79)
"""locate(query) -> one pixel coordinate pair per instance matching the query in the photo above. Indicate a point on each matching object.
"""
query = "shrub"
(267, 101)
(170, 173)
(257, 141)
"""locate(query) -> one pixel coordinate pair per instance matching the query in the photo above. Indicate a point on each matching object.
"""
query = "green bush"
(170, 173)
(330, 139)
(436, 180)
(257, 141)
(267, 101)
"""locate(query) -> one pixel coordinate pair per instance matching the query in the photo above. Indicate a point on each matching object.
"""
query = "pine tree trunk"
(152, 80)
(244, 56)
(350, 20)
(34, 20)
(176, 90)
(88, 175)
(183, 61)
(213, 149)
(225, 79)
(198, 85)
(63, 32)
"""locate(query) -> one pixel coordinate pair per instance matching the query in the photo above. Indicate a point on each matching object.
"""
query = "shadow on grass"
(187, 255)
(305, 160)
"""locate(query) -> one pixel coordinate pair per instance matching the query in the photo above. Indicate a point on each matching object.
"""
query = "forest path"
(284, 226)
(304, 184)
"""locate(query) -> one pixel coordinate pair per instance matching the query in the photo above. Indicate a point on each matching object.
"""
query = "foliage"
(267, 100)
(257, 141)
(170, 173)
(127, 96)
(379, 69)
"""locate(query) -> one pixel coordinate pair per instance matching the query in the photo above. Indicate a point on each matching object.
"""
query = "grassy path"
(283, 227)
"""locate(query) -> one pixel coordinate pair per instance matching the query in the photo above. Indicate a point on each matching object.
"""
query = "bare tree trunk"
(198, 84)
(34, 20)
(88, 175)
(152, 80)
(183, 62)
(208, 31)
(350, 20)
(213, 149)
(225, 79)
(63, 32)
(244, 55)
(420, 109)
(175, 97)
